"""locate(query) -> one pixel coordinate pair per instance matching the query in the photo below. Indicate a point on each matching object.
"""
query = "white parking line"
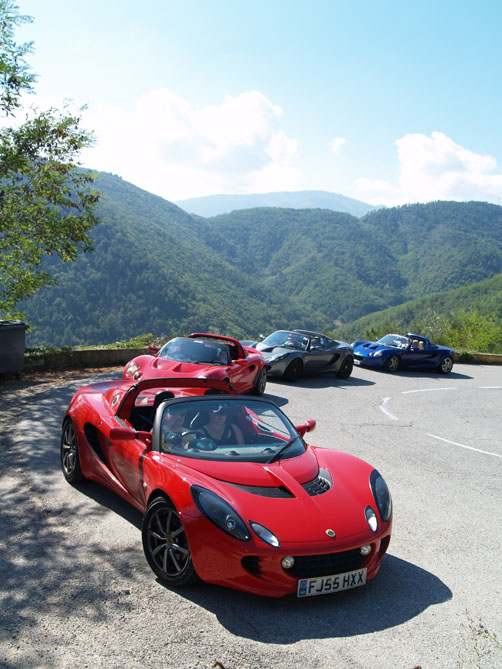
(471, 448)
(383, 404)
(490, 387)
(424, 390)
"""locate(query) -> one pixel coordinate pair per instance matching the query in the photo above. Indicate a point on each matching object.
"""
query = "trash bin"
(12, 344)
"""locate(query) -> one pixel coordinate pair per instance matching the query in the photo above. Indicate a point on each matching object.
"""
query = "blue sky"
(387, 102)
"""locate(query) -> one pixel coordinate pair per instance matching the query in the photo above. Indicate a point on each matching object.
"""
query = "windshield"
(239, 431)
(287, 340)
(396, 341)
(203, 352)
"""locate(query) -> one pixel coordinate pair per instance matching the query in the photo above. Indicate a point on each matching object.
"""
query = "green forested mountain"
(157, 269)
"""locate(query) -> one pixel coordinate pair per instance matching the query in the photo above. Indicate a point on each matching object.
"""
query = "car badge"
(331, 534)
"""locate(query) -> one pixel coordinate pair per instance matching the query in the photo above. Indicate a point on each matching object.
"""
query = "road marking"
(471, 448)
(490, 387)
(383, 405)
(424, 390)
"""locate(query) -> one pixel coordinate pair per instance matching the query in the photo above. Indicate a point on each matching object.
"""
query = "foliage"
(475, 327)
(46, 207)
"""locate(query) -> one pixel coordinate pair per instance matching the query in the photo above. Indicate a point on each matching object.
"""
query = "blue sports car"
(394, 352)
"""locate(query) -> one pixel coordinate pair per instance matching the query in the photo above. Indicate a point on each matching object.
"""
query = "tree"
(46, 204)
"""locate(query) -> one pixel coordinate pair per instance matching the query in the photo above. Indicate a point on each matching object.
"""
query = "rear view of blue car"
(410, 351)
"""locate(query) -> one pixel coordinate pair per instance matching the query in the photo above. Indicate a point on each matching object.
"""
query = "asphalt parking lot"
(76, 590)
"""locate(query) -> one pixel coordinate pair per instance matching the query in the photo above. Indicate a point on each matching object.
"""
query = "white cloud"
(435, 168)
(336, 144)
(167, 147)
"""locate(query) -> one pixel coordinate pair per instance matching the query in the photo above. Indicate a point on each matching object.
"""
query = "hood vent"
(321, 484)
(263, 491)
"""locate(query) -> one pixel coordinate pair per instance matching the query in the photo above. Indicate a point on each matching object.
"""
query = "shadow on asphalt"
(321, 381)
(399, 592)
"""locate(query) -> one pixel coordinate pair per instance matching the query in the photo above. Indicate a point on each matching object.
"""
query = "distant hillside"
(157, 269)
(425, 315)
(214, 205)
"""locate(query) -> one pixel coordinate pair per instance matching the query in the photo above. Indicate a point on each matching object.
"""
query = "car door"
(126, 461)
(319, 356)
(420, 358)
(241, 374)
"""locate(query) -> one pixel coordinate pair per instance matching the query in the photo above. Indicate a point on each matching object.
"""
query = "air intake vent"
(321, 484)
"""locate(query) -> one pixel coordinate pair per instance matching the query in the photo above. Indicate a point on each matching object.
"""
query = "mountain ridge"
(214, 205)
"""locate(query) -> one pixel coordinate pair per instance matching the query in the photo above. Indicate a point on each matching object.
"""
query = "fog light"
(288, 562)
(365, 550)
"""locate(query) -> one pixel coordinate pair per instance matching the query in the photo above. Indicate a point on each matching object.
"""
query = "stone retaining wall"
(114, 357)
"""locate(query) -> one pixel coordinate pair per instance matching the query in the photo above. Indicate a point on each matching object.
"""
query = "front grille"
(309, 566)
(357, 356)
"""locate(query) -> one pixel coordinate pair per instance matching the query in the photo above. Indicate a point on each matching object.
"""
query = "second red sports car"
(204, 356)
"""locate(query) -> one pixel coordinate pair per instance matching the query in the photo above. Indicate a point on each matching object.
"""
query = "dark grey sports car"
(292, 353)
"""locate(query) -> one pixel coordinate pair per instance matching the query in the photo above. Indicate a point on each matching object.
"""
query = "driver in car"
(220, 429)
(173, 432)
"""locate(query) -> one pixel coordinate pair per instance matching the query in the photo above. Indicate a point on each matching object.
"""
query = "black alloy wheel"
(294, 370)
(70, 460)
(260, 382)
(346, 367)
(165, 544)
(392, 364)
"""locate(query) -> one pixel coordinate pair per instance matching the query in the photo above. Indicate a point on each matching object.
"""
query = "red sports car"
(230, 491)
(204, 356)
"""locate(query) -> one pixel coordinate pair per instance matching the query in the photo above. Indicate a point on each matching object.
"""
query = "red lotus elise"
(230, 491)
(204, 356)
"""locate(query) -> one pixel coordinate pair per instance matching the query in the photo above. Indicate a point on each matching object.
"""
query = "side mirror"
(153, 349)
(308, 426)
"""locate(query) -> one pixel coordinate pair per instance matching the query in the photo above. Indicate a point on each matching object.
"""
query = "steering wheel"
(204, 444)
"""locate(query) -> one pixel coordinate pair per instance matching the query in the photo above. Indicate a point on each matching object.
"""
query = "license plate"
(357, 362)
(308, 587)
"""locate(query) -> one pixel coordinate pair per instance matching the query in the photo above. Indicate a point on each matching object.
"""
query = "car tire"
(294, 370)
(392, 364)
(446, 365)
(260, 382)
(166, 545)
(346, 367)
(69, 454)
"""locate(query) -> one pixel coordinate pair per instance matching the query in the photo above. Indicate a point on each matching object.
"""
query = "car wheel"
(260, 382)
(294, 370)
(165, 544)
(70, 460)
(392, 364)
(446, 365)
(346, 367)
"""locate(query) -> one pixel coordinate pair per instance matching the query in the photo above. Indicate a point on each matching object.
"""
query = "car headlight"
(378, 354)
(381, 494)
(265, 534)
(220, 513)
(278, 358)
(131, 369)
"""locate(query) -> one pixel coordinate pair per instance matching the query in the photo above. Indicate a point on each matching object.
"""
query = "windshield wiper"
(281, 450)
